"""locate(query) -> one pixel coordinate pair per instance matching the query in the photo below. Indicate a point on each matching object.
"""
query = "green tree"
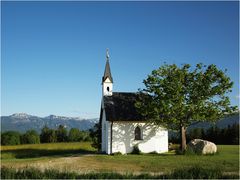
(96, 135)
(86, 136)
(175, 97)
(232, 134)
(195, 133)
(61, 133)
(224, 136)
(30, 137)
(44, 134)
(74, 135)
(235, 138)
(203, 134)
(10, 138)
(52, 136)
(48, 135)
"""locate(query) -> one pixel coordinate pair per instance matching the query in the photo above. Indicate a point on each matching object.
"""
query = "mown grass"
(227, 159)
(81, 157)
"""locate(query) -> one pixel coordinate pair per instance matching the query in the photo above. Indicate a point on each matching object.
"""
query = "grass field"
(82, 158)
(52, 150)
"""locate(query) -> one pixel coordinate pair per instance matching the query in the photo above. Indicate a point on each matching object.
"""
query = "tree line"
(228, 135)
(47, 135)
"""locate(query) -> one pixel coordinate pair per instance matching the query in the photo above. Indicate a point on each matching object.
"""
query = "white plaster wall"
(103, 146)
(154, 138)
(106, 134)
(107, 83)
(108, 137)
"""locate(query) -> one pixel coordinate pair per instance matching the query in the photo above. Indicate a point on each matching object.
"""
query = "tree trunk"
(183, 138)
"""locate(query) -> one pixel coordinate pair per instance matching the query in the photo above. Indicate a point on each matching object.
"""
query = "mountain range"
(222, 123)
(22, 122)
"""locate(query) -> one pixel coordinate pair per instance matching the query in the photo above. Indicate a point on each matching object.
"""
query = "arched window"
(138, 133)
(107, 88)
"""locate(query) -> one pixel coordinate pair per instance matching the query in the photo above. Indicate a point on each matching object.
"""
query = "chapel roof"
(121, 107)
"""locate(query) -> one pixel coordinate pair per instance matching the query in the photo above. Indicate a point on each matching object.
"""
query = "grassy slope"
(80, 157)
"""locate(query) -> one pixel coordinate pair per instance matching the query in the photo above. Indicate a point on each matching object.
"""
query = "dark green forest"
(228, 135)
(47, 135)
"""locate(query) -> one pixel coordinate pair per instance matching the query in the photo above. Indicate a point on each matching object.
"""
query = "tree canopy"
(61, 133)
(175, 97)
(10, 138)
(30, 137)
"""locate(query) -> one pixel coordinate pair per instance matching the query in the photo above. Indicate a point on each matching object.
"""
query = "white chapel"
(122, 126)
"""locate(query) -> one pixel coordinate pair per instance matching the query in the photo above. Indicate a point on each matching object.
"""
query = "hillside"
(23, 122)
(223, 123)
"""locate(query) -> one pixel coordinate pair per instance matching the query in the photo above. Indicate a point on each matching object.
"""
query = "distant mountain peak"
(51, 116)
(21, 115)
(23, 122)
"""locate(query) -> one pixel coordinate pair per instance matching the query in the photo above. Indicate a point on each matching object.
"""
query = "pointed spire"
(107, 54)
(107, 72)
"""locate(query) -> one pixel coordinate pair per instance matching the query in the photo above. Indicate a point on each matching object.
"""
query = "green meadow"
(82, 158)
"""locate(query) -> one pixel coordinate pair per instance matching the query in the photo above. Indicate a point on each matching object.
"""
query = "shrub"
(190, 151)
(153, 152)
(136, 150)
(116, 153)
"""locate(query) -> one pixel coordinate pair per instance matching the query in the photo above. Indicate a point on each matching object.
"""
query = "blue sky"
(53, 53)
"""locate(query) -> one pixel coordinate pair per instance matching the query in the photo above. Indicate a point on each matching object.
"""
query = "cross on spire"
(107, 54)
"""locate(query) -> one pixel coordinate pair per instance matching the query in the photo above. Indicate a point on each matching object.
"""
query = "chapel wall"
(154, 138)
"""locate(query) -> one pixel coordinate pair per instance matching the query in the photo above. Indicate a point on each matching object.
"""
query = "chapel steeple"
(107, 80)
(107, 72)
